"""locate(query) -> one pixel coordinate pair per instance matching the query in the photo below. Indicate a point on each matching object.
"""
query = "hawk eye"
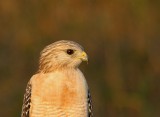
(70, 51)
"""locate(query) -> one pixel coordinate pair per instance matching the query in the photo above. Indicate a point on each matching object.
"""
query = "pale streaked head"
(61, 54)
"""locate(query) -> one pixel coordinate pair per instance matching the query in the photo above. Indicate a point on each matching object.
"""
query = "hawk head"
(61, 54)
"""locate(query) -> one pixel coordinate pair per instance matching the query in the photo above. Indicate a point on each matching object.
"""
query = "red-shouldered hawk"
(59, 89)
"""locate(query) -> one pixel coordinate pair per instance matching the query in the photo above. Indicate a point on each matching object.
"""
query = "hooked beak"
(84, 56)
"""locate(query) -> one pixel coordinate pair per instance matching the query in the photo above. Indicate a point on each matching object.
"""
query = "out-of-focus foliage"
(122, 38)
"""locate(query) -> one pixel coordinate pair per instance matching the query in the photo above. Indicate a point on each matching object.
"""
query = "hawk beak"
(84, 56)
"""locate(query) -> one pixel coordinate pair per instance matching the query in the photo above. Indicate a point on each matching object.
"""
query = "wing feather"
(26, 101)
(90, 113)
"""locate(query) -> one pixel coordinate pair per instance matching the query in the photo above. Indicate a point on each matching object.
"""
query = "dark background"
(121, 37)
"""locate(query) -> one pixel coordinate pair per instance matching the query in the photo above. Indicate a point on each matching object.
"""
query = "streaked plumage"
(59, 89)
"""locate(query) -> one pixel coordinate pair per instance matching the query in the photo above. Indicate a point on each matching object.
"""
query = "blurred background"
(122, 39)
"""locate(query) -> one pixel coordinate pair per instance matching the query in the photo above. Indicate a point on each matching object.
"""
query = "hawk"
(59, 88)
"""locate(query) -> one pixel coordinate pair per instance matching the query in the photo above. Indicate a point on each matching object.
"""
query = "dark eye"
(70, 51)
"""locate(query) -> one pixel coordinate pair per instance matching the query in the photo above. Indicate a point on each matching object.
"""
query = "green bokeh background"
(121, 37)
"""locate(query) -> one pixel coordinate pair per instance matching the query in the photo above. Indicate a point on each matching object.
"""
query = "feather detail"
(26, 101)
(90, 113)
